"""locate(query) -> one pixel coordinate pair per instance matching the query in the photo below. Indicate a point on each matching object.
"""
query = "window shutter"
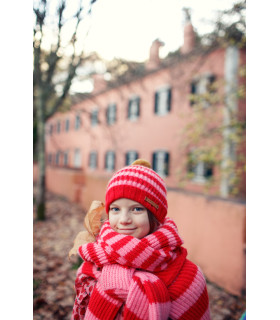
(156, 102)
(107, 115)
(114, 160)
(154, 161)
(115, 112)
(138, 106)
(193, 91)
(126, 159)
(211, 80)
(128, 110)
(106, 160)
(166, 163)
(193, 87)
(169, 100)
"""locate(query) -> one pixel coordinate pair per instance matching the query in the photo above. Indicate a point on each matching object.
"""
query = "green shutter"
(156, 102)
(128, 110)
(169, 100)
(154, 161)
(138, 105)
(166, 164)
(114, 157)
(115, 112)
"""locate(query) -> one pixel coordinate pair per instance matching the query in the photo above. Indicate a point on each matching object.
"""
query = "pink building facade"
(145, 118)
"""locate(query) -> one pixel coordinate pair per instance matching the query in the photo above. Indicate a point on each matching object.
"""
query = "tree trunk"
(41, 185)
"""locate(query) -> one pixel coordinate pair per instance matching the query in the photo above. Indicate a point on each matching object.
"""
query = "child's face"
(129, 217)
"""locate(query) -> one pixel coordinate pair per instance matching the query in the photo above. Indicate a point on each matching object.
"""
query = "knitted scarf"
(123, 277)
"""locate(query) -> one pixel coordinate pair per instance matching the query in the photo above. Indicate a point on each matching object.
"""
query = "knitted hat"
(138, 182)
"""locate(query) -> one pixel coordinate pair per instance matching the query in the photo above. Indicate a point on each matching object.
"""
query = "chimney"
(154, 60)
(99, 83)
(189, 36)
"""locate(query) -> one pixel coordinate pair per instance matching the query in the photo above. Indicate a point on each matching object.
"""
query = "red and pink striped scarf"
(123, 277)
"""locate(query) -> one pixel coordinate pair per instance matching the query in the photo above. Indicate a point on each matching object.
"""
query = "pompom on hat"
(138, 182)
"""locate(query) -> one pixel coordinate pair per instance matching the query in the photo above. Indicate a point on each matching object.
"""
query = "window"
(94, 118)
(77, 122)
(93, 160)
(133, 108)
(65, 158)
(58, 127)
(161, 163)
(130, 156)
(111, 114)
(51, 129)
(163, 101)
(110, 161)
(67, 125)
(199, 170)
(77, 158)
(200, 88)
(57, 155)
(50, 158)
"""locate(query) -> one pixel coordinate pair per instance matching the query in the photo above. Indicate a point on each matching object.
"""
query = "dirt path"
(54, 274)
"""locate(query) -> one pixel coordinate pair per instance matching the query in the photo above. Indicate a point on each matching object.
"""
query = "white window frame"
(134, 108)
(67, 125)
(57, 156)
(66, 158)
(111, 113)
(77, 158)
(94, 117)
(110, 159)
(160, 165)
(201, 83)
(130, 157)
(50, 158)
(92, 160)
(198, 171)
(162, 96)
(58, 126)
(77, 122)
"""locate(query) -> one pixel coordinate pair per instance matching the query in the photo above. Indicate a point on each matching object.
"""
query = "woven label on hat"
(151, 202)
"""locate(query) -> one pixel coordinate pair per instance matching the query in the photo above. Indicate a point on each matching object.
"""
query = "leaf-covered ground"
(54, 274)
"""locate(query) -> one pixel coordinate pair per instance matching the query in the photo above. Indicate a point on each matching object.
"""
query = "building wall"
(214, 235)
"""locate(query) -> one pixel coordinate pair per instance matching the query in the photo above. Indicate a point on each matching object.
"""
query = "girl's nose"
(125, 217)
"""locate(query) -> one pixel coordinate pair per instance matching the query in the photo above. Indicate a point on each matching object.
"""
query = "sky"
(127, 28)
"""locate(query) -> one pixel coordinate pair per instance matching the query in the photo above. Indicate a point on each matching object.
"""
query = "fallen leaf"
(81, 238)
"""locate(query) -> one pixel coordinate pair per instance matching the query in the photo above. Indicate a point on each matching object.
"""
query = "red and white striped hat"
(138, 182)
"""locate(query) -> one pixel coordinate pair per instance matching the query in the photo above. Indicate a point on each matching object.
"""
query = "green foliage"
(204, 136)
(36, 285)
(230, 27)
(77, 264)
(41, 211)
(122, 70)
(203, 139)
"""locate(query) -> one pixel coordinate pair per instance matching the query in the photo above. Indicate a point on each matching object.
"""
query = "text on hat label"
(151, 202)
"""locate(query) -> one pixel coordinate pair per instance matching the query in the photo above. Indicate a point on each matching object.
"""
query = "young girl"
(137, 268)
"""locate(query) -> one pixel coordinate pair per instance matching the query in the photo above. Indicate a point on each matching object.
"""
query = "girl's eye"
(114, 209)
(138, 209)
